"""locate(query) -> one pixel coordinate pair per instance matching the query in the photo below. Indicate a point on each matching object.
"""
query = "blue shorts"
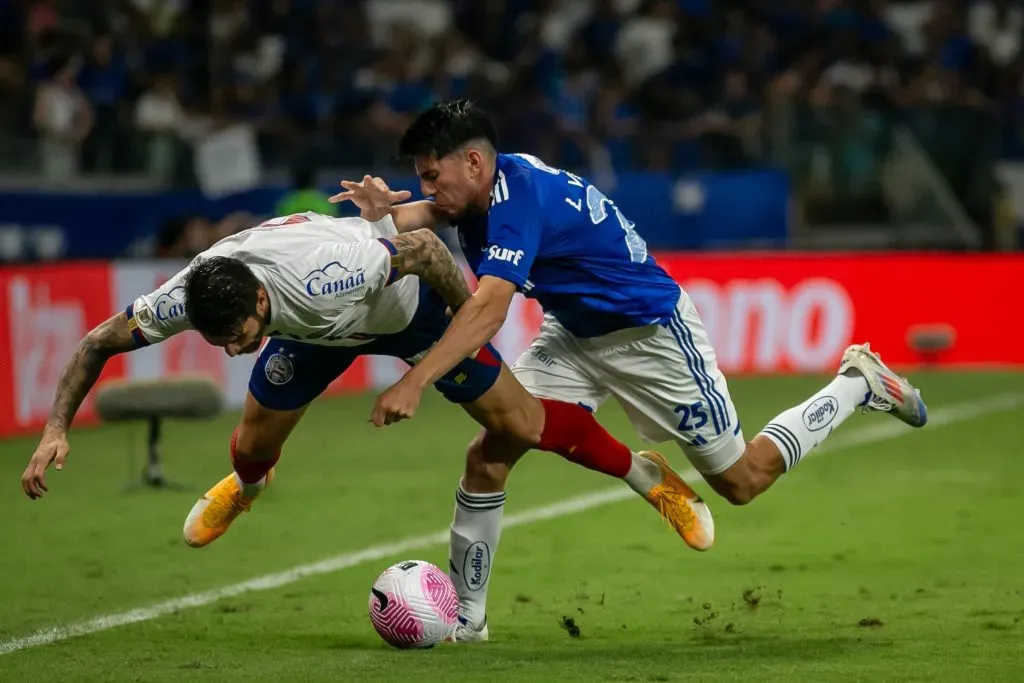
(289, 374)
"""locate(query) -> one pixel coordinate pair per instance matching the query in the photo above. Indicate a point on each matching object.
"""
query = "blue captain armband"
(393, 273)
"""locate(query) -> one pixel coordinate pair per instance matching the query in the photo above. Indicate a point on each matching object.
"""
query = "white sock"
(251, 490)
(643, 475)
(796, 431)
(476, 529)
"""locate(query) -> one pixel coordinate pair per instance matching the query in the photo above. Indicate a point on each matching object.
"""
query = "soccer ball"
(414, 604)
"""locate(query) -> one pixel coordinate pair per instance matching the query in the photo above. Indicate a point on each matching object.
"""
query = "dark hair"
(220, 295)
(445, 127)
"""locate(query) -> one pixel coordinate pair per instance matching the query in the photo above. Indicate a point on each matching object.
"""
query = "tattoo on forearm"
(422, 253)
(84, 368)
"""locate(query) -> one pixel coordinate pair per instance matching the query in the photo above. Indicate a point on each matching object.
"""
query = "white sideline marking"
(940, 417)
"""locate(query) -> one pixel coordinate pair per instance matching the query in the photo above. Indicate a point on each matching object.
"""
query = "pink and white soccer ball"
(414, 604)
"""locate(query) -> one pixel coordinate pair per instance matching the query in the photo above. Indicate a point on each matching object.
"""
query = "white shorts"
(664, 376)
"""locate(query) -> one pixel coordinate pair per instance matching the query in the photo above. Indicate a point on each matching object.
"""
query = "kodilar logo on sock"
(821, 412)
(477, 565)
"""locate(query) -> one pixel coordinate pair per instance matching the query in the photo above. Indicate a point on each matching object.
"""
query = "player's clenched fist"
(53, 447)
(397, 403)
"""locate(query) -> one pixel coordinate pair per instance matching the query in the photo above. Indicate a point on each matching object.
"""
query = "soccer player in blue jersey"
(615, 324)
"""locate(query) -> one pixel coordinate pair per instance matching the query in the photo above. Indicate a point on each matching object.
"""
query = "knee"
(521, 424)
(517, 428)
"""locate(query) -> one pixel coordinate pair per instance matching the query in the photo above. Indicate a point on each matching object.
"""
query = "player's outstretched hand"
(399, 402)
(53, 447)
(371, 195)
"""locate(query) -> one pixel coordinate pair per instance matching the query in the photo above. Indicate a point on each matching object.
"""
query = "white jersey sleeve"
(160, 314)
(385, 227)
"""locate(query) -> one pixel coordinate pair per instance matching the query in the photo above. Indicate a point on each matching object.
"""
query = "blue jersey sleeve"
(513, 236)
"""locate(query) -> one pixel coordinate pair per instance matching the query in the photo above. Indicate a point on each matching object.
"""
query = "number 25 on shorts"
(693, 416)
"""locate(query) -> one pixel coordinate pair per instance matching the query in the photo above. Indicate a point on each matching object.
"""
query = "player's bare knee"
(521, 424)
(522, 431)
(509, 413)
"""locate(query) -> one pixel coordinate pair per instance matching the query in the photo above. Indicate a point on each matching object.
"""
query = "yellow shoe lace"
(673, 508)
(223, 509)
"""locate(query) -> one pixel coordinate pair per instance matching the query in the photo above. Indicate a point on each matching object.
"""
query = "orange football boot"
(212, 514)
(680, 505)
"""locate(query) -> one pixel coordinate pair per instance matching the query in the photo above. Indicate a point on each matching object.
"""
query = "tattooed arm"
(108, 339)
(422, 253)
(478, 316)
(80, 374)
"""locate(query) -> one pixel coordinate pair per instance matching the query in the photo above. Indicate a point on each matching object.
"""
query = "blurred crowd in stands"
(114, 86)
(647, 83)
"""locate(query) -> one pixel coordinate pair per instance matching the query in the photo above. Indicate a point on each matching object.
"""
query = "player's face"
(246, 341)
(250, 334)
(455, 182)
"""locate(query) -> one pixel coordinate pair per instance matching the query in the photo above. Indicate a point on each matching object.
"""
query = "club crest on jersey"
(334, 280)
(143, 315)
(496, 253)
(170, 305)
(279, 369)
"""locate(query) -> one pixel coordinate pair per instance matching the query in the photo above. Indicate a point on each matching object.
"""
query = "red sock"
(572, 432)
(249, 470)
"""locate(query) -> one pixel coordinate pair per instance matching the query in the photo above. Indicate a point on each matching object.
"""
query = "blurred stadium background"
(815, 172)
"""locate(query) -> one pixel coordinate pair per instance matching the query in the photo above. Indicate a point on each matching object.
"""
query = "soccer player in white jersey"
(326, 291)
(615, 323)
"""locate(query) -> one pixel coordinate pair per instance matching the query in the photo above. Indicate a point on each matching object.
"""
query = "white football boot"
(465, 633)
(890, 393)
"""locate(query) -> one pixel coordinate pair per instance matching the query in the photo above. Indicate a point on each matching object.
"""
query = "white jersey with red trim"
(329, 281)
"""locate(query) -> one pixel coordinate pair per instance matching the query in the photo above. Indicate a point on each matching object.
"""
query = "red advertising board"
(44, 313)
(797, 312)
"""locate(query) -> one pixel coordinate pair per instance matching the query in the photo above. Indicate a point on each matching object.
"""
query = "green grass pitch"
(896, 557)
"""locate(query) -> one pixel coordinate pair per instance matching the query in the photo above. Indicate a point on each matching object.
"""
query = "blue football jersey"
(565, 244)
